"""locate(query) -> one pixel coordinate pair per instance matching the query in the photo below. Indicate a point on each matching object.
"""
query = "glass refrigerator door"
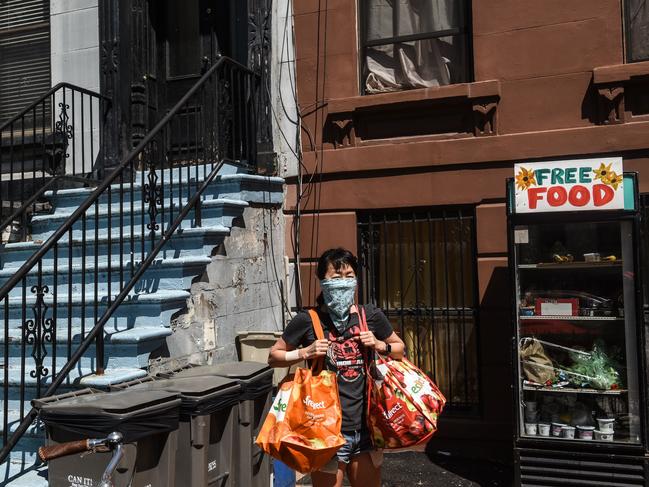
(577, 332)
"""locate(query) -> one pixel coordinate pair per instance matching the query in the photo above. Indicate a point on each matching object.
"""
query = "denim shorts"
(356, 442)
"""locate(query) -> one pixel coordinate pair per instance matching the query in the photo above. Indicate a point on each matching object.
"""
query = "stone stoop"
(142, 323)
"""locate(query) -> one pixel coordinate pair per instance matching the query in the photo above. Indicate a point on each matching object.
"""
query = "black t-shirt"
(345, 356)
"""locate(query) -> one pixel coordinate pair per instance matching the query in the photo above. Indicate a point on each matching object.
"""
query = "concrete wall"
(75, 59)
(75, 42)
(284, 98)
(239, 290)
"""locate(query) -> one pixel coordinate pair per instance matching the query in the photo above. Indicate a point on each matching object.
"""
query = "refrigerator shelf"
(574, 390)
(572, 265)
(571, 318)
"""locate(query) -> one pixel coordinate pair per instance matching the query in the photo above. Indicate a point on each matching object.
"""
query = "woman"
(337, 270)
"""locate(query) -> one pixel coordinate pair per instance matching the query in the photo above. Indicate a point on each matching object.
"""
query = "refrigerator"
(578, 344)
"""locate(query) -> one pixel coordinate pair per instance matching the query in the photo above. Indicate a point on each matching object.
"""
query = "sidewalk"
(413, 469)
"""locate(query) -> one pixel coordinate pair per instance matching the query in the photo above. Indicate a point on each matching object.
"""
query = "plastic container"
(207, 430)
(148, 420)
(544, 429)
(556, 429)
(606, 425)
(531, 416)
(531, 429)
(585, 432)
(530, 406)
(568, 432)
(253, 346)
(256, 380)
(603, 435)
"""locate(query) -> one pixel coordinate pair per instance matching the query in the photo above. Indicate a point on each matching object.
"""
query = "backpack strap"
(318, 364)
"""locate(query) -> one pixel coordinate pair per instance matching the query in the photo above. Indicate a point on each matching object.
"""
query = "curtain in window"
(638, 29)
(415, 64)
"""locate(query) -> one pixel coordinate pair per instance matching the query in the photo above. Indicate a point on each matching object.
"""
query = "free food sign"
(577, 185)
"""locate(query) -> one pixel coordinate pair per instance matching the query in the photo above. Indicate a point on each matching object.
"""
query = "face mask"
(338, 295)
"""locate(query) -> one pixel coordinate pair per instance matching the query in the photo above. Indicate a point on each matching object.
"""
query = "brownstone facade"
(549, 81)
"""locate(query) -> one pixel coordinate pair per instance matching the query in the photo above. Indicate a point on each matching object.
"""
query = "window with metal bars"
(419, 267)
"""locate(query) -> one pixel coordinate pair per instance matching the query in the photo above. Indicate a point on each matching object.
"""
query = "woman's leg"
(362, 471)
(323, 479)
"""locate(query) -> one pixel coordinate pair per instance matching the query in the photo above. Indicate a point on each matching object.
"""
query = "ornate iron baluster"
(63, 131)
(39, 332)
(226, 112)
(152, 190)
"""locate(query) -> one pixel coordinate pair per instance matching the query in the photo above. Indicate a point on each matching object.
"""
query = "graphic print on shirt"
(345, 355)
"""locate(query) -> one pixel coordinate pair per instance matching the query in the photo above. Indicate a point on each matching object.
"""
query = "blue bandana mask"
(338, 295)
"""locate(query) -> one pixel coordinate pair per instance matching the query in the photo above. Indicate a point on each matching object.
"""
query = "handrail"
(213, 121)
(47, 94)
(108, 181)
(56, 135)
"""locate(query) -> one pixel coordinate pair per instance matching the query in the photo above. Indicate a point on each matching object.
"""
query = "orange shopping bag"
(302, 428)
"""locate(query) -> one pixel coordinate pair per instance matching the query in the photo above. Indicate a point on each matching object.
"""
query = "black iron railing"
(54, 138)
(131, 215)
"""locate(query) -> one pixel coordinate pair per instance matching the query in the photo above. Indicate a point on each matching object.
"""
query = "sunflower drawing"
(525, 178)
(614, 180)
(603, 172)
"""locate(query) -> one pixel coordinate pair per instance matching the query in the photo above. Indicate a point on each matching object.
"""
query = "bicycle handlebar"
(111, 442)
(46, 453)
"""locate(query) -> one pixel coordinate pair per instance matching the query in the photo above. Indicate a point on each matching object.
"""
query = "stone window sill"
(477, 89)
(620, 72)
(621, 90)
(460, 110)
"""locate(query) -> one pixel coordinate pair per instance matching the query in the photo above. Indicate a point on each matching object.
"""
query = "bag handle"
(362, 319)
(318, 364)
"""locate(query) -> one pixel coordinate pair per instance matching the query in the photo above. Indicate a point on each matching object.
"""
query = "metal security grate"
(420, 268)
(537, 468)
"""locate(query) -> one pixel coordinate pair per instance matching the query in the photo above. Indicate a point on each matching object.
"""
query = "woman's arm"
(284, 355)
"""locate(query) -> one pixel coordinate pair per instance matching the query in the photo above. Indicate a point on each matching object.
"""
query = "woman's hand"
(316, 349)
(368, 339)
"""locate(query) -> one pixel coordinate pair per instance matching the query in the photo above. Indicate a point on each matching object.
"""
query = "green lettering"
(541, 175)
(557, 176)
(571, 175)
(584, 175)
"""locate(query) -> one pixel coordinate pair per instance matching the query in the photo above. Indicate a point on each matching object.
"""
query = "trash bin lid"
(255, 378)
(199, 395)
(135, 414)
(126, 402)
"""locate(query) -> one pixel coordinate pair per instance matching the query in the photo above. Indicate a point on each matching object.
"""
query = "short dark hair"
(338, 258)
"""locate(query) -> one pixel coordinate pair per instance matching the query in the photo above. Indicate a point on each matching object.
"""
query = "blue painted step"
(185, 243)
(162, 274)
(142, 310)
(213, 212)
(130, 348)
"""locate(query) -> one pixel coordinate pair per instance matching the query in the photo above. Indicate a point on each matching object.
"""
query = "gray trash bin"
(256, 380)
(148, 420)
(208, 428)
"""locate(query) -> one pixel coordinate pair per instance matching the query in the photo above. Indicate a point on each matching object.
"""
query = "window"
(419, 267)
(24, 54)
(637, 30)
(413, 44)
